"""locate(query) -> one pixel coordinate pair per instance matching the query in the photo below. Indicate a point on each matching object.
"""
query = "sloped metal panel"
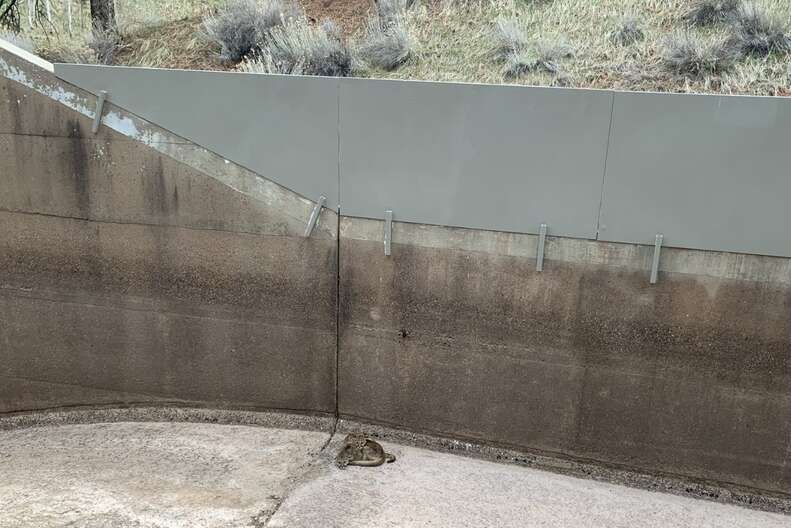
(489, 157)
(282, 127)
(708, 172)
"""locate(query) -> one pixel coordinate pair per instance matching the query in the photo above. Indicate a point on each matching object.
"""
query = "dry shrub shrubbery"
(759, 33)
(686, 53)
(709, 12)
(301, 49)
(386, 43)
(521, 55)
(242, 26)
(629, 32)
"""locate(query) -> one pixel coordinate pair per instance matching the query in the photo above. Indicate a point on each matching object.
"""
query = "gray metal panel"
(282, 127)
(492, 157)
(708, 172)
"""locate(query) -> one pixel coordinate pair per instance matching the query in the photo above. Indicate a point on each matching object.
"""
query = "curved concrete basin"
(227, 468)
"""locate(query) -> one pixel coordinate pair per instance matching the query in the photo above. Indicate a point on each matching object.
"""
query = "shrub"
(331, 29)
(509, 39)
(542, 56)
(709, 12)
(105, 44)
(690, 55)
(241, 26)
(391, 12)
(387, 47)
(629, 32)
(300, 49)
(759, 34)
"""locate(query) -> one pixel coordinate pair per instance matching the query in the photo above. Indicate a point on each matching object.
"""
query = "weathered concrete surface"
(151, 312)
(52, 164)
(149, 474)
(169, 475)
(423, 488)
(167, 414)
(33, 102)
(690, 377)
(135, 267)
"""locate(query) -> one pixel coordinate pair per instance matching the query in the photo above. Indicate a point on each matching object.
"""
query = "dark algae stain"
(78, 159)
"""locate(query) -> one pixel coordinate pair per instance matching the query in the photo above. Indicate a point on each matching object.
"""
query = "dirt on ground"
(179, 44)
(350, 15)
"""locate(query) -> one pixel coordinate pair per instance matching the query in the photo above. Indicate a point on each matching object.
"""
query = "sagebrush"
(386, 43)
(689, 54)
(629, 32)
(709, 12)
(299, 48)
(241, 26)
(759, 33)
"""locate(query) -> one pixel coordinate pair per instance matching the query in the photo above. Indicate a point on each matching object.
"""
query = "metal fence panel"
(708, 172)
(282, 127)
(492, 157)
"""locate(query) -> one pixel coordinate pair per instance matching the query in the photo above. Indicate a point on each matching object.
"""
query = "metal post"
(388, 235)
(542, 239)
(655, 263)
(314, 215)
(97, 118)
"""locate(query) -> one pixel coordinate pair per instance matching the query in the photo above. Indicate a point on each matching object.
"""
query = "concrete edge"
(583, 469)
(24, 69)
(27, 56)
(192, 413)
(633, 257)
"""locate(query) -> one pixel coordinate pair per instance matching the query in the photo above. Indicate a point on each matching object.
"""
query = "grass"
(628, 32)
(452, 40)
(702, 13)
(695, 56)
(455, 45)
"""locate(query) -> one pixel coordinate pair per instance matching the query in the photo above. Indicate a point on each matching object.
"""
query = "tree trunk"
(103, 14)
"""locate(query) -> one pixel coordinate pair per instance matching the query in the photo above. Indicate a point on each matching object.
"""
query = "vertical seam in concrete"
(337, 314)
(604, 172)
(338, 273)
(338, 131)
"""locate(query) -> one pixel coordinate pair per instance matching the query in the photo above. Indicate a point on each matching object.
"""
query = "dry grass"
(177, 44)
(695, 56)
(455, 44)
(20, 41)
(453, 41)
(702, 13)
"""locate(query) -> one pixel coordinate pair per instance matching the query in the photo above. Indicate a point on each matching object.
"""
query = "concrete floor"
(206, 475)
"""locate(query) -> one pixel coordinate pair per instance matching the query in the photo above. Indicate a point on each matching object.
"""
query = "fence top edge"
(62, 67)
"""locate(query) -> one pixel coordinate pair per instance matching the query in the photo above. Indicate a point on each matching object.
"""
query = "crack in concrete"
(142, 224)
(310, 471)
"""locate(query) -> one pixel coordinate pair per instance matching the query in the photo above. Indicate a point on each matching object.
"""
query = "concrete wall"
(457, 334)
(137, 267)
